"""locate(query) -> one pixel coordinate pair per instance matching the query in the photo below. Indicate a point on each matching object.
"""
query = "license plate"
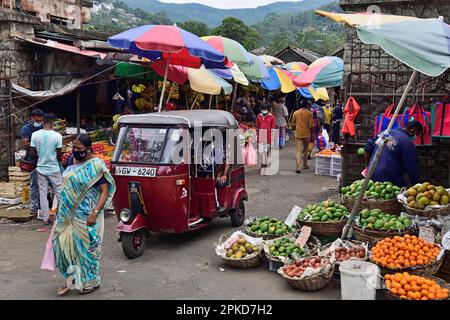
(136, 172)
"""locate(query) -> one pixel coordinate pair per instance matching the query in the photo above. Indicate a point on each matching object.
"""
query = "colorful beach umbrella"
(422, 44)
(312, 92)
(169, 43)
(233, 73)
(279, 80)
(232, 49)
(201, 80)
(325, 72)
(296, 66)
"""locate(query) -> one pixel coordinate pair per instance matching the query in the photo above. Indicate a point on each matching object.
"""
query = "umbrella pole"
(170, 92)
(217, 102)
(210, 101)
(195, 100)
(380, 142)
(164, 84)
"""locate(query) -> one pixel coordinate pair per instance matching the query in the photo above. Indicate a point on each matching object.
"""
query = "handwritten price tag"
(303, 237)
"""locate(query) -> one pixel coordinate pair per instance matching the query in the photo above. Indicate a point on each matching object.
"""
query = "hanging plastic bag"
(48, 261)
(250, 155)
(326, 136)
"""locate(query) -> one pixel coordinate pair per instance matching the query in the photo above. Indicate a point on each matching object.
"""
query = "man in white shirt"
(46, 144)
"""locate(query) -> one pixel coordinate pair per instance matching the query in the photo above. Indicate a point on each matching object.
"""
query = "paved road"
(174, 266)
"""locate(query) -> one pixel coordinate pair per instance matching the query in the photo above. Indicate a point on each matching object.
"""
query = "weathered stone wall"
(376, 80)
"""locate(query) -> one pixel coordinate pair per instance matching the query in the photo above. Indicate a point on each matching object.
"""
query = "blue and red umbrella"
(169, 42)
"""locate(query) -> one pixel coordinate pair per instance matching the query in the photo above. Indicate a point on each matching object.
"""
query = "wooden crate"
(16, 175)
(11, 190)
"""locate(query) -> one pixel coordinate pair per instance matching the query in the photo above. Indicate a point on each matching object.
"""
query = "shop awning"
(68, 48)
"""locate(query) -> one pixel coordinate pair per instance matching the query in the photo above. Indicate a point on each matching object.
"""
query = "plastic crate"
(323, 172)
(323, 162)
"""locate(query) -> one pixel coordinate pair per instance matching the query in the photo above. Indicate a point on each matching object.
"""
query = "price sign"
(303, 237)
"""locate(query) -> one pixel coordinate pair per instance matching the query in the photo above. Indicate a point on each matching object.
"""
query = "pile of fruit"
(344, 254)
(403, 252)
(378, 220)
(376, 190)
(424, 195)
(328, 153)
(269, 226)
(296, 269)
(65, 157)
(327, 211)
(59, 125)
(413, 287)
(286, 247)
(240, 249)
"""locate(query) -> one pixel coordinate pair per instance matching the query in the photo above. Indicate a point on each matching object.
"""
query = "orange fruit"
(401, 292)
(424, 298)
(394, 291)
(387, 277)
(407, 287)
(431, 296)
(411, 295)
(396, 285)
(388, 284)
(424, 293)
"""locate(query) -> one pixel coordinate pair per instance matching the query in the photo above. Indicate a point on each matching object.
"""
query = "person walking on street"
(87, 189)
(338, 115)
(281, 120)
(328, 117)
(35, 124)
(303, 123)
(46, 144)
(265, 124)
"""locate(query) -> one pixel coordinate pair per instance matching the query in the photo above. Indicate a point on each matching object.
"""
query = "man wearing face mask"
(398, 162)
(46, 144)
(35, 124)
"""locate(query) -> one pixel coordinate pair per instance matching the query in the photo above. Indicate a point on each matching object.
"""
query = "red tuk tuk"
(165, 167)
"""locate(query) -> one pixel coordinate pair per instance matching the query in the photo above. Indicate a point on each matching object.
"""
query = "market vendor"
(35, 124)
(398, 162)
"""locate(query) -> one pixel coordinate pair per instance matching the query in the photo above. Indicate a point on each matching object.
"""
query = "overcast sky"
(229, 4)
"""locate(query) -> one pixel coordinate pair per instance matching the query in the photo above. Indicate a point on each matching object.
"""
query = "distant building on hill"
(294, 54)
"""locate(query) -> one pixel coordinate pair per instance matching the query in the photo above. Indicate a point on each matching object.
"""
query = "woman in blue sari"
(87, 188)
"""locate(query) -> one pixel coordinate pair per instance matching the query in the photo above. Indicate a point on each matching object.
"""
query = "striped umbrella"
(256, 71)
(325, 72)
(422, 44)
(232, 49)
(201, 80)
(296, 66)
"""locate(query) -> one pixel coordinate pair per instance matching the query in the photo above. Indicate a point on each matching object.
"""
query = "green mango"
(324, 218)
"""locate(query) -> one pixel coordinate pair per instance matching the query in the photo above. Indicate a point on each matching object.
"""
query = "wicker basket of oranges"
(404, 286)
(407, 253)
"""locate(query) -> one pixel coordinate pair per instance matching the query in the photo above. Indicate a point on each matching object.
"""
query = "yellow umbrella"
(364, 19)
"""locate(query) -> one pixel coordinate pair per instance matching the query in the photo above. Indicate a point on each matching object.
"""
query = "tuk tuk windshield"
(146, 145)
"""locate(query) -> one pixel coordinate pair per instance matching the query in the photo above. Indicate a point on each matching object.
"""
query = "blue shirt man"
(399, 157)
(35, 124)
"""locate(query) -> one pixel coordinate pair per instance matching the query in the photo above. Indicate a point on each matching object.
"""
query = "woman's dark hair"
(85, 140)
(415, 125)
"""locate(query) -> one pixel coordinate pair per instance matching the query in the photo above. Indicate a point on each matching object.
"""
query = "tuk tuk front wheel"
(133, 244)
(237, 216)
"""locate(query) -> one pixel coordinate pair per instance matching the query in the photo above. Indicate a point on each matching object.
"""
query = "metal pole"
(170, 92)
(78, 112)
(381, 141)
(164, 84)
(210, 101)
(195, 100)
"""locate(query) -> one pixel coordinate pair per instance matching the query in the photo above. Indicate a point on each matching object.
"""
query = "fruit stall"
(390, 244)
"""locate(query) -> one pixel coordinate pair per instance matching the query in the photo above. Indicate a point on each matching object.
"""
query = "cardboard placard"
(303, 237)
(292, 217)
(427, 233)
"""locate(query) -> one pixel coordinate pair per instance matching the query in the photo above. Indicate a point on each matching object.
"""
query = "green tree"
(237, 30)
(196, 27)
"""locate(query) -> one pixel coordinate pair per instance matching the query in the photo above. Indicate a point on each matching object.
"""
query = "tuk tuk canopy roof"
(190, 118)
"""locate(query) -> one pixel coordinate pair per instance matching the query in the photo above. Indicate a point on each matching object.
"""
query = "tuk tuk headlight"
(125, 215)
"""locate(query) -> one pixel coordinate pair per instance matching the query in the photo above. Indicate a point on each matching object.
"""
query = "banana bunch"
(138, 88)
(175, 91)
(116, 120)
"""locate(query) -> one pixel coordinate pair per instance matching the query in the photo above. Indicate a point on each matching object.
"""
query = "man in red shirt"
(265, 123)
